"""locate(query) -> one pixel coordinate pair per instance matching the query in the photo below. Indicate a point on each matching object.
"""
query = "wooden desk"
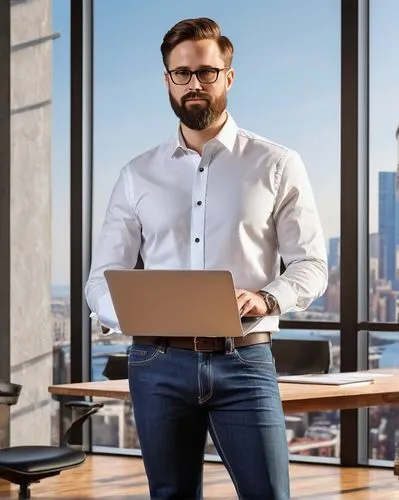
(295, 398)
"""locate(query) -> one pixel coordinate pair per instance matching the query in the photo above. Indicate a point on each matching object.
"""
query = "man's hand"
(250, 303)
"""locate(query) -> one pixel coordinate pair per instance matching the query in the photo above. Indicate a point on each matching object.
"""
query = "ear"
(230, 78)
(166, 79)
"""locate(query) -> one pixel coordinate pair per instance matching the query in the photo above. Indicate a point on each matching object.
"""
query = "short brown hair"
(201, 28)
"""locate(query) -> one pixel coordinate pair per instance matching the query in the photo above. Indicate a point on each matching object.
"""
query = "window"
(383, 420)
(384, 163)
(60, 280)
(383, 348)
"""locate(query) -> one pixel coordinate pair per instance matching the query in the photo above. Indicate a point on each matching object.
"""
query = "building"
(334, 247)
(388, 228)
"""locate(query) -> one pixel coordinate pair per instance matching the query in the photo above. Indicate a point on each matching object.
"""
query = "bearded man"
(214, 197)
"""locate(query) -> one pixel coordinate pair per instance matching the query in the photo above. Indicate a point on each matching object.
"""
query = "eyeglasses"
(204, 75)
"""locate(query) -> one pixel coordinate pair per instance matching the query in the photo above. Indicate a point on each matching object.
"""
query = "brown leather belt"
(205, 344)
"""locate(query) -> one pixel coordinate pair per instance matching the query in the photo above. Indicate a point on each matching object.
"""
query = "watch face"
(271, 302)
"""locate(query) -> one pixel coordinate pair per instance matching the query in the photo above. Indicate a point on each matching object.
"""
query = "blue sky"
(287, 88)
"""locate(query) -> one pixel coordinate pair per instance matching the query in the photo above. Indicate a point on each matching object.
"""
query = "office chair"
(23, 465)
(116, 367)
(301, 357)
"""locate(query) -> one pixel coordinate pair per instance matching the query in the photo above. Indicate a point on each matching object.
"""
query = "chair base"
(24, 491)
(25, 483)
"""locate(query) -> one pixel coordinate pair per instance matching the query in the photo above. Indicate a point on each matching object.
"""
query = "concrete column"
(31, 340)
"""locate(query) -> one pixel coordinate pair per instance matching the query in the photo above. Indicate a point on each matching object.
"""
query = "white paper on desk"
(329, 379)
(362, 375)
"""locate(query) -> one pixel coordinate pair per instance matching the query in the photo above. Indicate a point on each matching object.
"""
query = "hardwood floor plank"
(123, 478)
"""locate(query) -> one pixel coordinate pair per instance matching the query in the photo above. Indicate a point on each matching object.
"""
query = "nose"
(194, 83)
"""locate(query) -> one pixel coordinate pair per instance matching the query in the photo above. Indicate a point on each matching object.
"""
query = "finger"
(247, 309)
(240, 292)
(242, 300)
(247, 306)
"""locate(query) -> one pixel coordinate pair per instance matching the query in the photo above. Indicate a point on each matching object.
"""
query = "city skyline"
(294, 76)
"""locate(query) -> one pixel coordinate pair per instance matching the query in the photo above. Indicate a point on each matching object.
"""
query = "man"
(213, 197)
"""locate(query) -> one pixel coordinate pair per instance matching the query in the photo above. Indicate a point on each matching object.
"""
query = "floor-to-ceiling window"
(383, 346)
(60, 161)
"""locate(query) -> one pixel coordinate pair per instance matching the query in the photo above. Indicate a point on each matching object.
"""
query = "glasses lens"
(181, 76)
(208, 75)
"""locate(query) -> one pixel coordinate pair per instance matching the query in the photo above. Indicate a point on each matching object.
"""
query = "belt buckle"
(205, 340)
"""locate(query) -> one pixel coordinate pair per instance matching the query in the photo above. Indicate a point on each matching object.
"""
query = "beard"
(202, 115)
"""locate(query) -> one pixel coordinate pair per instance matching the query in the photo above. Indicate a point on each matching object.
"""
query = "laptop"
(186, 303)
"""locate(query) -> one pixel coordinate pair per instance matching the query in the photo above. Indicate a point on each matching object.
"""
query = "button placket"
(198, 217)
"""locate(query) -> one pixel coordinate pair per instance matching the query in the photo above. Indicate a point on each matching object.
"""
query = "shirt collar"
(226, 137)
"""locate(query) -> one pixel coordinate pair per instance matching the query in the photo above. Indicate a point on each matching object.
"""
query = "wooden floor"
(123, 478)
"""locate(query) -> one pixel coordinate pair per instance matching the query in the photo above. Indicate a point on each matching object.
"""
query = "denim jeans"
(179, 394)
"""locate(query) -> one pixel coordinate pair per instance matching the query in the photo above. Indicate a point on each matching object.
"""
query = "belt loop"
(162, 342)
(229, 345)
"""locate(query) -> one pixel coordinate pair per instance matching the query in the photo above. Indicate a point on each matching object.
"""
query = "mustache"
(195, 95)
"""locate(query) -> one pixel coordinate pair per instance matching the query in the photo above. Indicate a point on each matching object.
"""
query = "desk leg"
(396, 440)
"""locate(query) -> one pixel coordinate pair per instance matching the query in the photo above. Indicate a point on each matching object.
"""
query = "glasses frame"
(196, 72)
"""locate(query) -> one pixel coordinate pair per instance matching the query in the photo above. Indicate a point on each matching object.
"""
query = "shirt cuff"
(285, 295)
(106, 314)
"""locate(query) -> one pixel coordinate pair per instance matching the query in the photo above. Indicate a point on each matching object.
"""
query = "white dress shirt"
(239, 207)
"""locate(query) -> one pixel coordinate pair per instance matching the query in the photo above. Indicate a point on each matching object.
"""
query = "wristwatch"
(270, 301)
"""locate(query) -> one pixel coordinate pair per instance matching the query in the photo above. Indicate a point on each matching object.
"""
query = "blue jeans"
(179, 394)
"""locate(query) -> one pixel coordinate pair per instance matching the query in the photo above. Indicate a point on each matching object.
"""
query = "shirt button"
(201, 169)
(196, 240)
(199, 203)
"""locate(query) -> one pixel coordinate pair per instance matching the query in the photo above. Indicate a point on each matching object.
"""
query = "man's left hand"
(250, 303)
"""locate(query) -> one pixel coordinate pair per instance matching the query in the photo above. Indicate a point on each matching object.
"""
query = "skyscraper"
(334, 252)
(388, 224)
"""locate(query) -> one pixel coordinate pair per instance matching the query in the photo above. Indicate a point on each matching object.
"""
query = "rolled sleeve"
(284, 293)
(300, 239)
